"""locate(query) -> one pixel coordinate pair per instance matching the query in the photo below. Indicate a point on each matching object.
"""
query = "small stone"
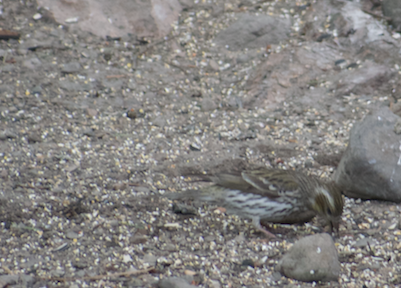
(138, 239)
(79, 264)
(131, 113)
(313, 258)
(308, 164)
(91, 112)
(208, 105)
(242, 58)
(396, 108)
(89, 132)
(213, 64)
(174, 282)
(107, 56)
(169, 247)
(150, 259)
(32, 63)
(127, 258)
(364, 242)
(57, 273)
(248, 262)
(72, 67)
(114, 223)
(277, 116)
(397, 127)
(183, 209)
(194, 147)
(276, 276)
(3, 174)
(72, 20)
(21, 280)
(298, 110)
(119, 186)
(37, 16)
(159, 121)
(37, 89)
(214, 284)
(73, 235)
(34, 138)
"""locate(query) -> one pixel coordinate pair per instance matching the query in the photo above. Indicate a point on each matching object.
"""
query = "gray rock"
(4, 135)
(37, 89)
(397, 127)
(32, 63)
(243, 58)
(22, 279)
(371, 166)
(396, 108)
(214, 284)
(138, 239)
(213, 64)
(150, 259)
(113, 83)
(392, 9)
(174, 282)
(313, 258)
(57, 273)
(72, 67)
(131, 84)
(208, 105)
(34, 138)
(252, 31)
(365, 242)
(72, 235)
(159, 121)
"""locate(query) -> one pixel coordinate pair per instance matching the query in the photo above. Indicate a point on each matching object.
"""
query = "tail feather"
(207, 195)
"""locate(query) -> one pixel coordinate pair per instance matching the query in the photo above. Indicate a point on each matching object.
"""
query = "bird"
(272, 195)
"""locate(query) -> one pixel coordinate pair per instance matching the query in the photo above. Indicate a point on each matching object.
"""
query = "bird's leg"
(335, 227)
(256, 223)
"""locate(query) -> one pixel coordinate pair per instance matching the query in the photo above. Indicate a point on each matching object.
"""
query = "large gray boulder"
(371, 166)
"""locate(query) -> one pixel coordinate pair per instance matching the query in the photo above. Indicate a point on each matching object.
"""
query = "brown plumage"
(273, 195)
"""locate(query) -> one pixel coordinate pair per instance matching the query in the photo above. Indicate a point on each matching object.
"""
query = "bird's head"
(328, 202)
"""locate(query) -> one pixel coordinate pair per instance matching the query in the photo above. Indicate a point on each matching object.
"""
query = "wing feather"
(272, 183)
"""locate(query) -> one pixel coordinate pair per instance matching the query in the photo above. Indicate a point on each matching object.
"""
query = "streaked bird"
(273, 195)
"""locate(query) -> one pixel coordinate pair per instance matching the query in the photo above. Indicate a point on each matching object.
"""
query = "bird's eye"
(329, 212)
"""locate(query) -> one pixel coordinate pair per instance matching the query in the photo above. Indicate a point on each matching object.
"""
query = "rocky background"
(104, 108)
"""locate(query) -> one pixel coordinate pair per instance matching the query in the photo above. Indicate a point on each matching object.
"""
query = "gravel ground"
(81, 183)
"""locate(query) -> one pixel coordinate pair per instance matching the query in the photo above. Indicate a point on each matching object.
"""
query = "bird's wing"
(231, 181)
(272, 182)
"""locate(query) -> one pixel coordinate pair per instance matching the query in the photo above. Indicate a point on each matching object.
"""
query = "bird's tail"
(208, 195)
